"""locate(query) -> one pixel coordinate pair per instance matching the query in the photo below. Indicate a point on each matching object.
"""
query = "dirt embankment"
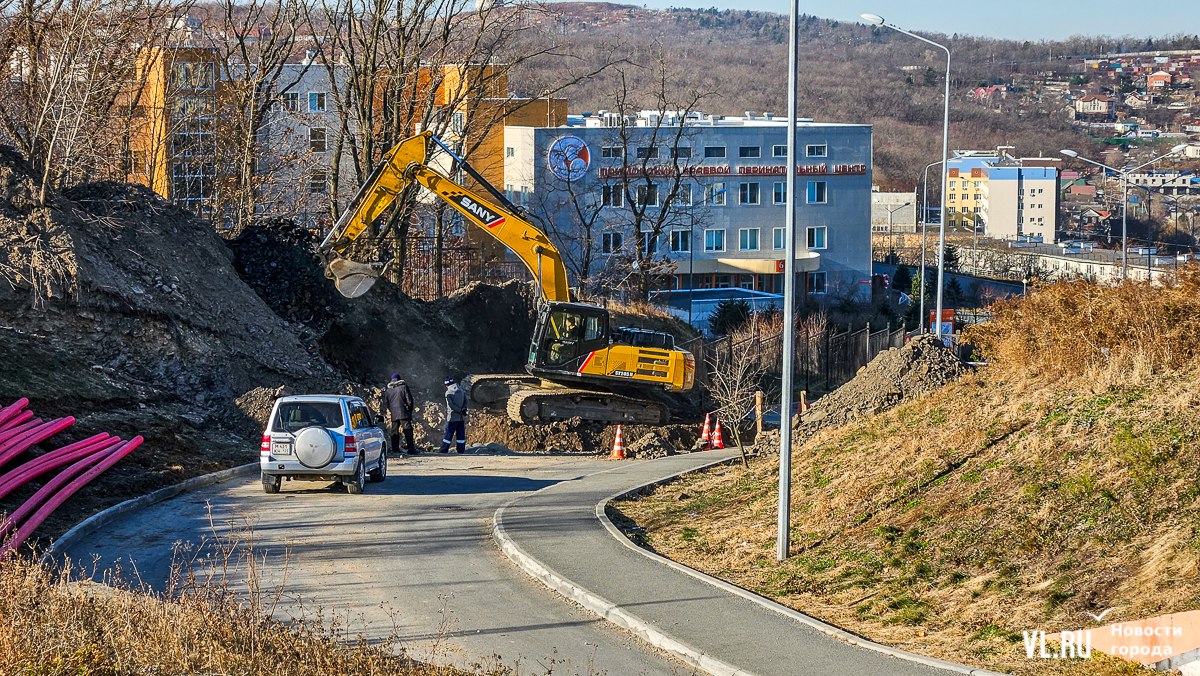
(134, 316)
(894, 376)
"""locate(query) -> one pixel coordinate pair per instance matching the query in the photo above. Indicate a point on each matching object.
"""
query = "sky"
(1011, 19)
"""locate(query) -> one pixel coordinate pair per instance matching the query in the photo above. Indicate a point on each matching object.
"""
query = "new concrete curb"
(651, 634)
(100, 519)
(823, 627)
(602, 606)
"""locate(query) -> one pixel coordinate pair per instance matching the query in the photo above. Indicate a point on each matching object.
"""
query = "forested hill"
(848, 73)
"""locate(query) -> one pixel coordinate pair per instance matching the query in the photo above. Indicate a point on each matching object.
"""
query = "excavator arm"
(404, 167)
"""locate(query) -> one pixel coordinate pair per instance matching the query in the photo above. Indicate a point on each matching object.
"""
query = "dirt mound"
(276, 258)
(568, 436)
(652, 445)
(894, 376)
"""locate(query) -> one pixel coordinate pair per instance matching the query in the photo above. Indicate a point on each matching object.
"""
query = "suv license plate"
(281, 448)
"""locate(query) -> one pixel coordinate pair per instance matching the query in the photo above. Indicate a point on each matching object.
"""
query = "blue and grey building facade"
(728, 177)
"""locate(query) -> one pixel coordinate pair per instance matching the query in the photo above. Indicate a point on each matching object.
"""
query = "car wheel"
(380, 472)
(358, 482)
(271, 483)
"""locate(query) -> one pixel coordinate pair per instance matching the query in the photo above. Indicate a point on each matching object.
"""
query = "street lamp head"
(1069, 153)
(1179, 148)
(873, 19)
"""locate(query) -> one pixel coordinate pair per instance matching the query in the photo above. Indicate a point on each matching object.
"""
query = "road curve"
(557, 536)
(412, 559)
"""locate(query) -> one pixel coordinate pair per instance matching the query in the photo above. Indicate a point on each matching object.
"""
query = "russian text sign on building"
(668, 170)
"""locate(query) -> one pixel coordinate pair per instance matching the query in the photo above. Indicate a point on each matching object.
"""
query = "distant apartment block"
(1003, 196)
(894, 212)
(1095, 107)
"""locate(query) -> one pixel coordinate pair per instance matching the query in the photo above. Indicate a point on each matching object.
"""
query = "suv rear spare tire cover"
(315, 447)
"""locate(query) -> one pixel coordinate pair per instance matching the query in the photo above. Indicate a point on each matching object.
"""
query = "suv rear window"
(294, 416)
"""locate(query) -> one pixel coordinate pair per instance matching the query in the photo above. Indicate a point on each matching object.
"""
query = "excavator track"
(535, 405)
(493, 390)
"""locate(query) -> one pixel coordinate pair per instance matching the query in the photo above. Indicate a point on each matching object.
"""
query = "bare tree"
(657, 176)
(253, 41)
(69, 63)
(737, 372)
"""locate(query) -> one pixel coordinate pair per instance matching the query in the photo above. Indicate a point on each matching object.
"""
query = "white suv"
(322, 437)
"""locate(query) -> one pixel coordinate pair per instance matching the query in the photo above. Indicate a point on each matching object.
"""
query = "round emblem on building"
(568, 158)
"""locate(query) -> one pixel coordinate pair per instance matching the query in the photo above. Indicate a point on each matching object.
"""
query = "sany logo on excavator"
(489, 218)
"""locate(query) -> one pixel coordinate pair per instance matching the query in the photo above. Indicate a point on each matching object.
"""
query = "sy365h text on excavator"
(578, 366)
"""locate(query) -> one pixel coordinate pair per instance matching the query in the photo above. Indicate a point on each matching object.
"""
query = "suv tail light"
(351, 445)
(265, 446)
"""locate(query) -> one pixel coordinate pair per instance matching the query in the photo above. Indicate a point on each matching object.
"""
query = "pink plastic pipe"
(55, 502)
(12, 410)
(21, 424)
(53, 460)
(50, 487)
(37, 435)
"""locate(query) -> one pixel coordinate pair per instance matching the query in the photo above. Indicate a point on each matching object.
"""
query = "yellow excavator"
(579, 366)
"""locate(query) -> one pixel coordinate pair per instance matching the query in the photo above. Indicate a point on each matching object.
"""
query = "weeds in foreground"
(216, 615)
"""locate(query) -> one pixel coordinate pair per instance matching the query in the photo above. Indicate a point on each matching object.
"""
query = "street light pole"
(1124, 174)
(924, 216)
(784, 520)
(879, 21)
(892, 231)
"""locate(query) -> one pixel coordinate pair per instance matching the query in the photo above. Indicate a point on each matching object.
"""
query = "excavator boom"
(405, 166)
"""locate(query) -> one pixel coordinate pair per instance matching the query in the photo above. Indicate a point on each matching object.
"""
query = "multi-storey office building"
(723, 180)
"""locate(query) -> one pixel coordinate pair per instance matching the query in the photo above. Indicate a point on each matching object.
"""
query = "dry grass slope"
(50, 625)
(1060, 479)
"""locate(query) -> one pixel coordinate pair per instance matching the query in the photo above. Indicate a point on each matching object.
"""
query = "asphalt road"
(412, 560)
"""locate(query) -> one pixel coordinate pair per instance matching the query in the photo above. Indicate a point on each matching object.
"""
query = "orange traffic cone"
(618, 450)
(706, 433)
(718, 442)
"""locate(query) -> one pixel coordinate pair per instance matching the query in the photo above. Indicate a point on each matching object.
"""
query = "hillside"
(1056, 481)
(849, 73)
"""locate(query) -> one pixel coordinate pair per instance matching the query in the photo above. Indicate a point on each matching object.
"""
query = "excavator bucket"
(354, 279)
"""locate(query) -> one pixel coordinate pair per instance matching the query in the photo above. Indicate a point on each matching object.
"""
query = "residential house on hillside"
(1095, 107)
(1159, 80)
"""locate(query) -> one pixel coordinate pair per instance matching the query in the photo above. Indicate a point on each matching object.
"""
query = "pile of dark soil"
(276, 258)
(570, 436)
(652, 445)
(894, 376)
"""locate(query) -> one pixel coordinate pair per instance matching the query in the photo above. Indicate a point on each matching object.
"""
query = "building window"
(749, 151)
(647, 195)
(817, 193)
(953, 184)
(681, 241)
(317, 182)
(714, 152)
(748, 193)
(953, 196)
(316, 102)
(817, 282)
(683, 196)
(510, 151)
(612, 152)
(716, 194)
(779, 192)
(976, 196)
(649, 243)
(714, 240)
(816, 236)
(681, 153)
(778, 239)
(291, 101)
(779, 151)
(316, 139)
(748, 239)
(613, 196)
(647, 153)
(610, 242)
(816, 150)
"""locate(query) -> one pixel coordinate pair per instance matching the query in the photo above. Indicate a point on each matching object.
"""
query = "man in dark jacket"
(400, 407)
(456, 417)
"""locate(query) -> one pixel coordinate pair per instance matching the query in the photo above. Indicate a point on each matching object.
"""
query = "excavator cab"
(566, 334)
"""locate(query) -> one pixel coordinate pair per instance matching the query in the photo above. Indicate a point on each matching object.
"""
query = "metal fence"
(823, 361)
(429, 273)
